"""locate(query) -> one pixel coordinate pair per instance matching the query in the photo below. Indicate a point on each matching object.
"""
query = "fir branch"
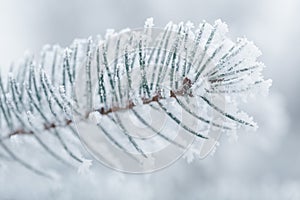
(122, 73)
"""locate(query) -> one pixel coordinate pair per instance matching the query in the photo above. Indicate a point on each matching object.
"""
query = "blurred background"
(261, 165)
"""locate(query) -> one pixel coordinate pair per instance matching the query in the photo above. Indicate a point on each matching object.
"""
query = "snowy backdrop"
(260, 165)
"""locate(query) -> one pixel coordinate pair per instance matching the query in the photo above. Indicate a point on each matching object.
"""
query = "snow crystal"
(84, 167)
(149, 23)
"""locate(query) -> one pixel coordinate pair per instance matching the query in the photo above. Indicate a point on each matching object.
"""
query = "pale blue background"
(262, 165)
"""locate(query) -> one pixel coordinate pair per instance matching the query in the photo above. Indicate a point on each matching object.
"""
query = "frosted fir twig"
(124, 72)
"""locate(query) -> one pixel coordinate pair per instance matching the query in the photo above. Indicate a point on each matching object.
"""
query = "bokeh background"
(261, 165)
